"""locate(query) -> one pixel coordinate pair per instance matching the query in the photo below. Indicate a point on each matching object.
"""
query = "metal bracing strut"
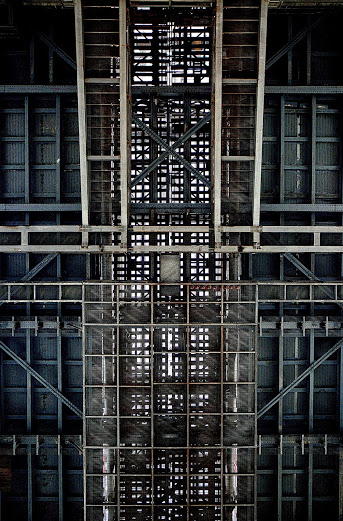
(171, 151)
(32, 273)
(300, 378)
(284, 50)
(60, 52)
(262, 45)
(40, 379)
(81, 101)
(164, 155)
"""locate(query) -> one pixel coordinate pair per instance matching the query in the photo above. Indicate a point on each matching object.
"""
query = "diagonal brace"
(301, 267)
(292, 43)
(300, 378)
(171, 151)
(177, 143)
(40, 379)
(60, 52)
(44, 262)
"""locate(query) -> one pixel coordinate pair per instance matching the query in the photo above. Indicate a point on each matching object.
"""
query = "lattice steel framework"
(170, 415)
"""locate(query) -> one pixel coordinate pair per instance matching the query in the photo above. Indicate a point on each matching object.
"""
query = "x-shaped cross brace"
(171, 150)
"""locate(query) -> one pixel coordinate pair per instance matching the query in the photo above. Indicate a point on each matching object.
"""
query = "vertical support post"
(81, 101)
(60, 480)
(217, 123)
(123, 121)
(27, 154)
(84, 426)
(340, 485)
(51, 56)
(32, 59)
(58, 149)
(29, 484)
(290, 52)
(280, 410)
(59, 403)
(118, 374)
(152, 425)
(279, 480)
(313, 149)
(28, 384)
(310, 483)
(188, 349)
(311, 390)
(259, 114)
(282, 150)
(309, 54)
(222, 410)
(310, 430)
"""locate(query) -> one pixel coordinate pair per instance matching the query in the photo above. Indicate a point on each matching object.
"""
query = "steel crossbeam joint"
(172, 151)
(164, 155)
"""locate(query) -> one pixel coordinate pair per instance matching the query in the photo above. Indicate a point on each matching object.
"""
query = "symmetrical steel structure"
(171, 229)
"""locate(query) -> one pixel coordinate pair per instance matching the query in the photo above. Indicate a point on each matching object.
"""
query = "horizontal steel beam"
(166, 90)
(171, 207)
(37, 89)
(44, 262)
(282, 229)
(201, 248)
(59, 228)
(40, 379)
(48, 207)
(18, 443)
(289, 207)
(304, 89)
(300, 378)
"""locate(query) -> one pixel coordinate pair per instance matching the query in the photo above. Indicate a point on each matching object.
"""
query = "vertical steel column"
(117, 369)
(81, 100)
(259, 115)
(217, 122)
(152, 407)
(308, 53)
(124, 159)
(279, 480)
(310, 430)
(29, 485)
(84, 429)
(290, 52)
(59, 403)
(340, 485)
(188, 361)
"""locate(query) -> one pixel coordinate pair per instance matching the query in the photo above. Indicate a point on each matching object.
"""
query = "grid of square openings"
(170, 425)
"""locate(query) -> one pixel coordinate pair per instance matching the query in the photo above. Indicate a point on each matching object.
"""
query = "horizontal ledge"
(37, 89)
(171, 207)
(171, 229)
(304, 89)
(290, 207)
(239, 81)
(57, 228)
(103, 158)
(281, 229)
(75, 249)
(238, 158)
(27, 207)
(173, 89)
(111, 81)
